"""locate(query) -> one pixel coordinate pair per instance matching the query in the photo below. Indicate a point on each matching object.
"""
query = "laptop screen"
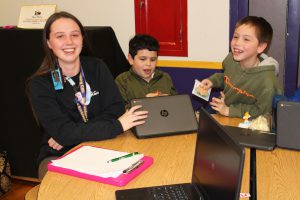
(218, 161)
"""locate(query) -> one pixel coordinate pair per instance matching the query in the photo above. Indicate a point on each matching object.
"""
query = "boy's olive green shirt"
(247, 90)
(133, 86)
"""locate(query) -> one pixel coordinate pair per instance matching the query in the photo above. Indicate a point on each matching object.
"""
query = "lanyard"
(82, 95)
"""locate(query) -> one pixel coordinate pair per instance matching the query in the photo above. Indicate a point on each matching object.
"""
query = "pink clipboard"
(121, 180)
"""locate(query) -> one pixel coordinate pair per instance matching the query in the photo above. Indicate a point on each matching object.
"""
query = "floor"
(18, 190)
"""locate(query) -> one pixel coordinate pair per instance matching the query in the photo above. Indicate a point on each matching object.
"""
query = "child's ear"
(130, 59)
(261, 47)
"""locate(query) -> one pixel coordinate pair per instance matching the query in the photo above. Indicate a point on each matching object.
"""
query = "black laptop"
(167, 115)
(253, 138)
(288, 123)
(284, 131)
(217, 171)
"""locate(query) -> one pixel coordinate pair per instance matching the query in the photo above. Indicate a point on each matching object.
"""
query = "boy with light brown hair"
(248, 81)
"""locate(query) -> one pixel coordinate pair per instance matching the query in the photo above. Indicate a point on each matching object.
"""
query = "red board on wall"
(166, 20)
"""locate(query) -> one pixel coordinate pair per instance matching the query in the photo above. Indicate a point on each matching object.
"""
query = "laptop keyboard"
(170, 192)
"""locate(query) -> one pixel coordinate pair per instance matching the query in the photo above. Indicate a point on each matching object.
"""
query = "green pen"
(121, 157)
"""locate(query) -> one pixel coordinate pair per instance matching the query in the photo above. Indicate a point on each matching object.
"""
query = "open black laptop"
(217, 171)
(167, 115)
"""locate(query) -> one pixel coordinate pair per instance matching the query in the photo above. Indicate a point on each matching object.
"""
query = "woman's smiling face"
(65, 40)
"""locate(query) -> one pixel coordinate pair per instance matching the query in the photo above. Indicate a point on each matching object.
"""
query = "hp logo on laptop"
(164, 113)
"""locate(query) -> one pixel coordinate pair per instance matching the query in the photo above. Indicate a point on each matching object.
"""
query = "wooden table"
(173, 163)
(278, 174)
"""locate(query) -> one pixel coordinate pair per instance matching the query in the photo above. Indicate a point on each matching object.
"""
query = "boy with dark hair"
(248, 81)
(143, 79)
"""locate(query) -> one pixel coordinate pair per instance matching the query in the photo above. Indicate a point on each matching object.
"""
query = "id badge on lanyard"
(57, 80)
(82, 95)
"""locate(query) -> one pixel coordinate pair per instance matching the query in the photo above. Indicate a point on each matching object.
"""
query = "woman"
(74, 97)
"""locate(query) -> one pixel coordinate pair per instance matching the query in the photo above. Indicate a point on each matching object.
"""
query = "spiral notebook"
(91, 163)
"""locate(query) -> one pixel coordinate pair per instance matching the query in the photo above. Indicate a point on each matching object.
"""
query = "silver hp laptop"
(217, 172)
(167, 115)
(288, 123)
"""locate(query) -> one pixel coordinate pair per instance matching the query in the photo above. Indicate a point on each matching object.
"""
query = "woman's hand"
(52, 143)
(133, 117)
(219, 105)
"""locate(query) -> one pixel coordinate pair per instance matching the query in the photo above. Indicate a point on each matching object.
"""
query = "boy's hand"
(156, 94)
(152, 94)
(219, 105)
(207, 84)
(132, 117)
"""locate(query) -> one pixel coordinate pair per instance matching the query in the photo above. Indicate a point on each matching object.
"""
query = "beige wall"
(208, 22)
